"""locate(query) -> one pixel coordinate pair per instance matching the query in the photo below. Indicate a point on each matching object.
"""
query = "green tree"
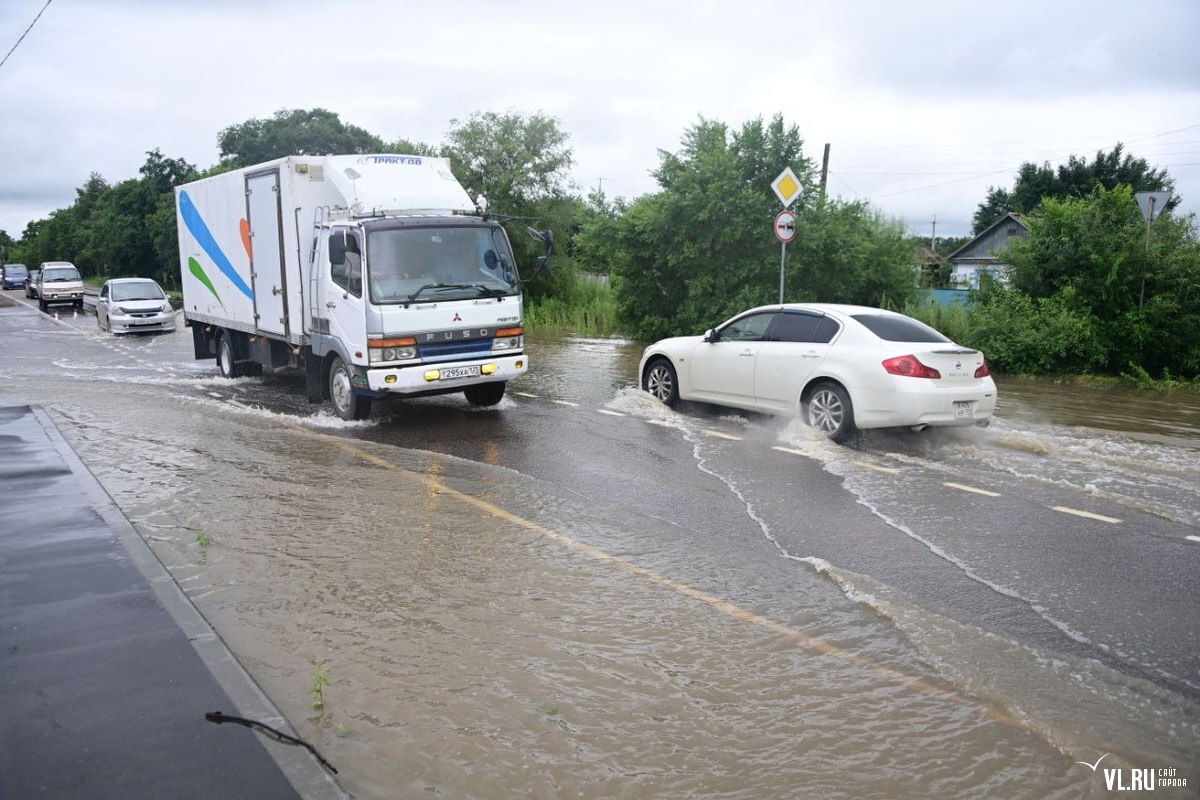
(293, 132)
(1086, 295)
(1076, 178)
(701, 249)
(521, 164)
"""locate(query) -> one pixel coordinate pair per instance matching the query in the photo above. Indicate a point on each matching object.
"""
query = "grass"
(589, 310)
(317, 689)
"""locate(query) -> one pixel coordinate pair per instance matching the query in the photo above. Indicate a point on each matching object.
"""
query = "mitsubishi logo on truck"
(457, 318)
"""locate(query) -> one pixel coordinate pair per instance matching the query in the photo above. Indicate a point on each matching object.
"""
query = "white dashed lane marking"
(972, 489)
(1087, 514)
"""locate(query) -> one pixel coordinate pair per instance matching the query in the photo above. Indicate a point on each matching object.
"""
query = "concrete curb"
(302, 770)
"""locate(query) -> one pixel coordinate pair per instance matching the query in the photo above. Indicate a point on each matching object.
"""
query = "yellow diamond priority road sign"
(787, 187)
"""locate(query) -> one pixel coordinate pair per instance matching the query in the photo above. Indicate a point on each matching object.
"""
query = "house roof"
(1009, 217)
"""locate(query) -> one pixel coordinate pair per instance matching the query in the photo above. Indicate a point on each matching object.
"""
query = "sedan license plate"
(964, 409)
(460, 372)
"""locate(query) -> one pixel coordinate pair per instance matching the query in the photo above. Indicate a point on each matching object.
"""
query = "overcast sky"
(925, 104)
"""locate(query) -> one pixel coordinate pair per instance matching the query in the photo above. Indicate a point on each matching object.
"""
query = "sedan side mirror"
(710, 335)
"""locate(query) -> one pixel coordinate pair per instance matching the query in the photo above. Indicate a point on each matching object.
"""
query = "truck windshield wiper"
(444, 287)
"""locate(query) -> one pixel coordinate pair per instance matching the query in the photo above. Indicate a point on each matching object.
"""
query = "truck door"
(264, 241)
(342, 292)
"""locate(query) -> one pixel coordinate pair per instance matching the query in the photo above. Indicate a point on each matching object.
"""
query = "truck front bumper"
(447, 376)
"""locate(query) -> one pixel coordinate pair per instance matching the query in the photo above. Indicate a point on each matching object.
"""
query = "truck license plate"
(964, 409)
(460, 372)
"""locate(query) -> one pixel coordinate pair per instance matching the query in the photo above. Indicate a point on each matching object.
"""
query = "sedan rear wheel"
(828, 410)
(660, 380)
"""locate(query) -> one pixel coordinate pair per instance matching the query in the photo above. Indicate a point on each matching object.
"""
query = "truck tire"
(43, 305)
(485, 394)
(346, 404)
(227, 366)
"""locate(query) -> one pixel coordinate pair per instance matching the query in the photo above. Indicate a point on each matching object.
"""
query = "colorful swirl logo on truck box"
(208, 243)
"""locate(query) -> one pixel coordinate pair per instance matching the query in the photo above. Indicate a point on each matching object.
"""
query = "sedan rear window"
(898, 329)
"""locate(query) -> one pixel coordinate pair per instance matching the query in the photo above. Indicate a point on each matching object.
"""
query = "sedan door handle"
(746, 354)
(809, 354)
(331, 304)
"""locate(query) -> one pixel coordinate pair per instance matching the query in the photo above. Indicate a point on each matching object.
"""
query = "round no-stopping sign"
(785, 226)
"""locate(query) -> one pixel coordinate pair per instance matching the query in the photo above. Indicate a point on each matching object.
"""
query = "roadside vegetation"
(1090, 293)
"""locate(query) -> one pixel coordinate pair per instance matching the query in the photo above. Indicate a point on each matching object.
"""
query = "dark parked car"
(31, 283)
(15, 275)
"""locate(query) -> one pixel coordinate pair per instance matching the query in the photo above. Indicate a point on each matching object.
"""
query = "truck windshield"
(53, 274)
(406, 265)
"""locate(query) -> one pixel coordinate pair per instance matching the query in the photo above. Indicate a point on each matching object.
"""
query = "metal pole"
(782, 261)
(1146, 266)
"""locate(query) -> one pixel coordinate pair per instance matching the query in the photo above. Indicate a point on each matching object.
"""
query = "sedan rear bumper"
(919, 402)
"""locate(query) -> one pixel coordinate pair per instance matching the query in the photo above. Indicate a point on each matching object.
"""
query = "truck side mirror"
(337, 248)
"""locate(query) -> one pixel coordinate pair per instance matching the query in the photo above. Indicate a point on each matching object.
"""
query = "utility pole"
(933, 236)
(824, 171)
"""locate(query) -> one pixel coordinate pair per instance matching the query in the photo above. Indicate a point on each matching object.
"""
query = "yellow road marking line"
(722, 435)
(972, 489)
(876, 467)
(610, 413)
(731, 610)
(1086, 514)
(565, 403)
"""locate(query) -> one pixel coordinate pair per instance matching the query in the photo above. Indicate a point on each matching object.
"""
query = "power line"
(27, 30)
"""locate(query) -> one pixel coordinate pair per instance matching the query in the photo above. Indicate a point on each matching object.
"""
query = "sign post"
(1153, 205)
(787, 188)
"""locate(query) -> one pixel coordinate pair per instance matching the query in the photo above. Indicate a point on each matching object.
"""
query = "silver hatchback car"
(132, 305)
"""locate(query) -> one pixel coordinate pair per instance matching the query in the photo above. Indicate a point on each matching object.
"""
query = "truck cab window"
(345, 260)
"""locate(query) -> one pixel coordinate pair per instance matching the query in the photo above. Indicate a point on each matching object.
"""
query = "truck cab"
(435, 300)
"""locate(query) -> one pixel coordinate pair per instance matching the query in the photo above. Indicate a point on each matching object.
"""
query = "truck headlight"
(382, 351)
(509, 339)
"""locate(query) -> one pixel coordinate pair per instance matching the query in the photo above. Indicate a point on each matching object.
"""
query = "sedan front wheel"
(660, 380)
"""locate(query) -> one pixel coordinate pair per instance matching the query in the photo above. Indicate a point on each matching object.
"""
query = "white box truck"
(375, 274)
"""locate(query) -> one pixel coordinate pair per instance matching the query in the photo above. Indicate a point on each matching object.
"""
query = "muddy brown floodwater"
(477, 639)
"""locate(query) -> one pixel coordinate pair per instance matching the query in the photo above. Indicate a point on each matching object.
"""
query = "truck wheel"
(227, 366)
(485, 394)
(43, 305)
(346, 403)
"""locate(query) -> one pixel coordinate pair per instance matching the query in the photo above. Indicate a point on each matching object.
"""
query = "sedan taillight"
(983, 370)
(910, 367)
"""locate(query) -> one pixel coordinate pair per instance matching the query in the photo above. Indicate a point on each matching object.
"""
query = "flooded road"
(581, 593)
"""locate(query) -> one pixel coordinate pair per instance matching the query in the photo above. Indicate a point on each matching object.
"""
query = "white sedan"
(129, 305)
(840, 368)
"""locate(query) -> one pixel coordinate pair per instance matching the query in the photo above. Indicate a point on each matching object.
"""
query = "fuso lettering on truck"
(374, 274)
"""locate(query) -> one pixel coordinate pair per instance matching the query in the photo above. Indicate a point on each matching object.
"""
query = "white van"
(59, 282)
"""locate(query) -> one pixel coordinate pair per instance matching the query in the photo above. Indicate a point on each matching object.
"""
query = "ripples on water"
(471, 657)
